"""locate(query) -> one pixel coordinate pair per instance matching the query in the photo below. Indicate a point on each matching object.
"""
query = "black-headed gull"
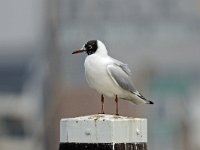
(109, 76)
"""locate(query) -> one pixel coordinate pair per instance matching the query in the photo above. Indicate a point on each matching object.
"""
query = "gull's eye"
(89, 46)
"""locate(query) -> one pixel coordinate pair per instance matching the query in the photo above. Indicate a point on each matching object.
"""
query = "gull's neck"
(101, 49)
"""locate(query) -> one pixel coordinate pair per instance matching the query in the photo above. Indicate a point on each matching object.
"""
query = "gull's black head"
(91, 47)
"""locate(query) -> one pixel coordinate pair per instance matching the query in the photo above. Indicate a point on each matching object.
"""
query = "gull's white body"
(97, 75)
(99, 78)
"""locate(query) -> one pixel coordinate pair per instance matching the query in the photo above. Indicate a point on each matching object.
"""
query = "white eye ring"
(90, 47)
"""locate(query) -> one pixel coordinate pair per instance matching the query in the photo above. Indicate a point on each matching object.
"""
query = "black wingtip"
(142, 97)
(150, 102)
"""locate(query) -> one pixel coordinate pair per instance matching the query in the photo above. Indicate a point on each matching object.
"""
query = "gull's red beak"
(78, 51)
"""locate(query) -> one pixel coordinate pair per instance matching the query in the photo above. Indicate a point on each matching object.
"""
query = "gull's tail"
(138, 98)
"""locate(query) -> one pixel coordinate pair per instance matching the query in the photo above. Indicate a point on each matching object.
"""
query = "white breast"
(97, 76)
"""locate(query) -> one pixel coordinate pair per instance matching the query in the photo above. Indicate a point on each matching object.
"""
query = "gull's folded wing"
(120, 74)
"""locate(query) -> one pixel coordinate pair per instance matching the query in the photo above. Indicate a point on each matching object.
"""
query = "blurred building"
(23, 73)
(21, 109)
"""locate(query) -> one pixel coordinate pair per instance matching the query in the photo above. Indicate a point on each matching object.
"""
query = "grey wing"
(121, 77)
(123, 66)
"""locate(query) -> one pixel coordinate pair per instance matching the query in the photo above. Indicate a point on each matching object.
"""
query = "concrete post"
(103, 132)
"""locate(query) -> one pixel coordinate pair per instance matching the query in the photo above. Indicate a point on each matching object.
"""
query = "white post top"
(103, 128)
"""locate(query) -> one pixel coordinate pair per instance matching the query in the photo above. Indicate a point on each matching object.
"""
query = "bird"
(109, 76)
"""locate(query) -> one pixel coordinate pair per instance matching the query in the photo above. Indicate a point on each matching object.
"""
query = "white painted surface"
(103, 128)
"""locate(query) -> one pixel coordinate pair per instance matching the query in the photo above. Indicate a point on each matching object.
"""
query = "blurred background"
(41, 82)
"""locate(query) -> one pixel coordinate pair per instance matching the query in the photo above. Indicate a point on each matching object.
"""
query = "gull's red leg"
(116, 100)
(102, 104)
